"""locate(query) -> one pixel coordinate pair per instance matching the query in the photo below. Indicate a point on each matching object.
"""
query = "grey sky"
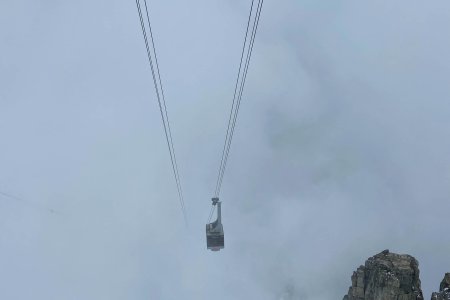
(341, 148)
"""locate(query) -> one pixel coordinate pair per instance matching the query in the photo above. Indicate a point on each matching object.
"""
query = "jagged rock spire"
(444, 289)
(386, 276)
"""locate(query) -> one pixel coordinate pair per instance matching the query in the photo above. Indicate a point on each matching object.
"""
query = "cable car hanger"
(214, 230)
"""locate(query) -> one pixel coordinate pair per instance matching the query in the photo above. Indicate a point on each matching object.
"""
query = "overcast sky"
(341, 148)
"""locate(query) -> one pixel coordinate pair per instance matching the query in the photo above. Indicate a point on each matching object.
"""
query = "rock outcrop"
(387, 276)
(444, 289)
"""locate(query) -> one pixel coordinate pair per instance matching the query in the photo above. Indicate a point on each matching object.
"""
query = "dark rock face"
(386, 276)
(444, 289)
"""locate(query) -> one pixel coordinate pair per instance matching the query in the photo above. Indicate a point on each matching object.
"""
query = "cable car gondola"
(214, 230)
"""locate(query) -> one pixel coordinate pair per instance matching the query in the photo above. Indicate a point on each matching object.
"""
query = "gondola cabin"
(214, 230)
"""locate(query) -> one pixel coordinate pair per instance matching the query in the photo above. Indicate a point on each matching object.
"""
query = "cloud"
(340, 149)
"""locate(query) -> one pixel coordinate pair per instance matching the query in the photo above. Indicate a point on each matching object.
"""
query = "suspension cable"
(28, 203)
(241, 89)
(232, 105)
(237, 100)
(161, 101)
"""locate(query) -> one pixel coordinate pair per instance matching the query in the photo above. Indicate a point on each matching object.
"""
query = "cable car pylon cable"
(161, 102)
(237, 100)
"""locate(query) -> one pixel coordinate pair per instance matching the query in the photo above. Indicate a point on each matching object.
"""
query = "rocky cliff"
(386, 276)
(390, 276)
(444, 289)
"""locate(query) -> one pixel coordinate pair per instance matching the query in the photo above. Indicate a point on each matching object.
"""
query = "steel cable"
(216, 194)
(236, 104)
(161, 102)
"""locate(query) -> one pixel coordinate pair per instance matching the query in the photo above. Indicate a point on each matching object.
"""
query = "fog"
(340, 150)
